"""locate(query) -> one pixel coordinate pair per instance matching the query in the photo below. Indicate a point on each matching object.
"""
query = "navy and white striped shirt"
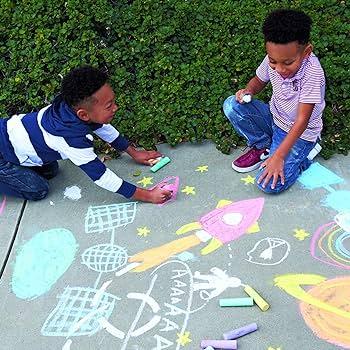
(56, 132)
(306, 86)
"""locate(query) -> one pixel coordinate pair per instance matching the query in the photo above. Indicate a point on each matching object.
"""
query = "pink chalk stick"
(220, 344)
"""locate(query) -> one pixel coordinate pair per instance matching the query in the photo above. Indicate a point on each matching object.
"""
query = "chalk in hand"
(219, 344)
(263, 305)
(240, 332)
(236, 302)
(247, 98)
(162, 162)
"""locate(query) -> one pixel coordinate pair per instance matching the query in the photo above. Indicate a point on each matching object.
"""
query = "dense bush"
(172, 62)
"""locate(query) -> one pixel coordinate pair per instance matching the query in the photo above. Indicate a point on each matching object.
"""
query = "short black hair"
(81, 83)
(285, 26)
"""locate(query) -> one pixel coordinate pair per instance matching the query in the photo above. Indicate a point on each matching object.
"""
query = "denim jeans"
(254, 121)
(24, 182)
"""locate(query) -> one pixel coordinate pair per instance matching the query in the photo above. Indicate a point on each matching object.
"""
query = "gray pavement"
(62, 286)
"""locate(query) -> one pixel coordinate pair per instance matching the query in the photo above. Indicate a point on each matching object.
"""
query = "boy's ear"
(83, 114)
(308, 49)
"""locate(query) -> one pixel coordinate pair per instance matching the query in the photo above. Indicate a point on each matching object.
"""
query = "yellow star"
(248, 180)
(146, 181)
(143, 231)
(183, 338)
(189, 190)
(202, 168)
(301, 234)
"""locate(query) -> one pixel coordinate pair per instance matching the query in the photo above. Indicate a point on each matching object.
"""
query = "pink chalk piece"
(2, 206)
(246, 213)
(219, 344)
(170, 183)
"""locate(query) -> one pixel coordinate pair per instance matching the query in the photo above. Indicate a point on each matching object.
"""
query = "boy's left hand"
(143, 157)
(273, 168)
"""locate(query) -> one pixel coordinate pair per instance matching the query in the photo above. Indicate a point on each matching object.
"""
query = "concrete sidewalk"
(61, 259)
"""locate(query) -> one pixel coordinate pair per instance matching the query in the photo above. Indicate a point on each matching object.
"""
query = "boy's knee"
(37, 192)
(231, 107)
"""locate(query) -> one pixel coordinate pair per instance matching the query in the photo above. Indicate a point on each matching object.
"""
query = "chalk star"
(189, 190)
(143, 231)
(183, 338)
(248, 180)
(202, 168)
(146, 181)
(301, 234)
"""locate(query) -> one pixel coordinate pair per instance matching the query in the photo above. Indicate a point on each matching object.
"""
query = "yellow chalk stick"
(263, 305)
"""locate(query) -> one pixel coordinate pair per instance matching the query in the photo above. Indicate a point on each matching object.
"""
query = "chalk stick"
(209, 348)
(219, 344)
(236, 302)
(263, 305)
(160, 164)
(247, 98)
(240, 332)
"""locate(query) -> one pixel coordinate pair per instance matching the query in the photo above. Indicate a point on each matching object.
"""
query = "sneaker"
(250, 160)
(314, 152)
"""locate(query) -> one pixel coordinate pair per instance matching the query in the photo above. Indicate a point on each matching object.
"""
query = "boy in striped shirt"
(281, 135)
(31, 144)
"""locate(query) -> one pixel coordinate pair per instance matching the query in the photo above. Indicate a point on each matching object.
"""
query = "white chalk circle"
(232, 219)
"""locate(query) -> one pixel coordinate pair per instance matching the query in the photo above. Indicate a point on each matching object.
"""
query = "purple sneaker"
(250, 160)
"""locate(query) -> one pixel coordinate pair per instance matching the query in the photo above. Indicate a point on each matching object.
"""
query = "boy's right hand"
(157, 195)
(241, 93)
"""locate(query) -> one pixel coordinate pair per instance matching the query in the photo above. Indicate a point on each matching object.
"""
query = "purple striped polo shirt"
(306, 86)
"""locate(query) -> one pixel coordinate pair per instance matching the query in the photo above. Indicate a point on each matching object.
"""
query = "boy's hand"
(157, 195)
(241, 93)
(273, 167)
(141, 156)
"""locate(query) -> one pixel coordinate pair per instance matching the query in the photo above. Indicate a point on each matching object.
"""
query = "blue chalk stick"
(236, 302)
(220, 344)
(160, 164)
(240, 332)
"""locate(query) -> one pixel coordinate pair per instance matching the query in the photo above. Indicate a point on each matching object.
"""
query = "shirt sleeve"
(262, 71)
(312, 85)
(110, 134)
(88, 161)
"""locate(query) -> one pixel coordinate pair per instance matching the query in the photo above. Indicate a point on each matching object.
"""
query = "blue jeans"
(24, 182)
(254, 121)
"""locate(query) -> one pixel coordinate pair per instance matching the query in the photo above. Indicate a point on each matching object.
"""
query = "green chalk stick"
(236, 302)
(160, 164)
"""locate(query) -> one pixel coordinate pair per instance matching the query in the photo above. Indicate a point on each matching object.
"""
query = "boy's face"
(286, 59)
(102, 109)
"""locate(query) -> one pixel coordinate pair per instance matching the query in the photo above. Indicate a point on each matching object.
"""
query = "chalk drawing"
(300, 234)
(325, 307)
(73, 193)
(75, 303)
(217, 282)
(227, 222)
(41, 261)
(343, 220)
(2, 205)
(202, 168)
(103, 218)
(269, 251)
(328, 245)
(189, 190)
(105, 257)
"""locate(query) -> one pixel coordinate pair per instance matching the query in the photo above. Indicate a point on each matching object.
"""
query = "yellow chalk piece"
(254, 228)
(291, 284)
(155, 256)
(189, 227)
(263, 305)
(223, 203)
(213, 245)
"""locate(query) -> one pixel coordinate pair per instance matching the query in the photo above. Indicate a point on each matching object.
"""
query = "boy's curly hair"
(285, 26)
(81, 83)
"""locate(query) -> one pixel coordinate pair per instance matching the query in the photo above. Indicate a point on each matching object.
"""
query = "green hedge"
(172, 62)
